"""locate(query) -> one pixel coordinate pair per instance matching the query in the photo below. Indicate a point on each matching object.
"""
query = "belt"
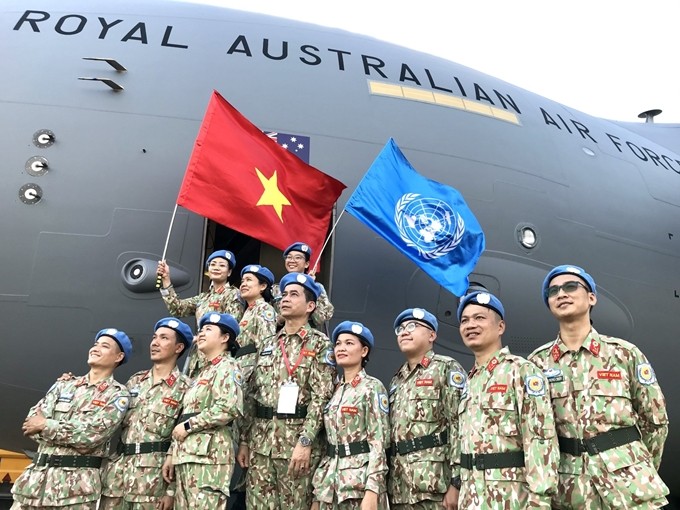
(599, 443)
(185, 417)
(137, 448)
(348, 449)
(498, 460)
(419, 443)
(70, 461)
(246, 349)
(268, 413)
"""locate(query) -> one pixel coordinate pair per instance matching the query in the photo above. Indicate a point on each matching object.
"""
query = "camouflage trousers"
(421, 505)
(269, 487)
(202, 486)
(92, 505)
(354, 504)
(476, 493)
(629, 490)
(108, 503)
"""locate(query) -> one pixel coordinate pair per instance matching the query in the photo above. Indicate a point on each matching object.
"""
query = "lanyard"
(291, 371)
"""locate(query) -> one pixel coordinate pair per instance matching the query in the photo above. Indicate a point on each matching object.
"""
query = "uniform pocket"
(501, 415)
(429, 472)
(425, 404)
(161, 420)
(197, 444)
(631, 486)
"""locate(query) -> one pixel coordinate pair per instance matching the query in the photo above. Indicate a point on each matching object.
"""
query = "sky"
(606, 58)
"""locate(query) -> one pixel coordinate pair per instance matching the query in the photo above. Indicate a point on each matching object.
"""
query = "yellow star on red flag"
(272, 194)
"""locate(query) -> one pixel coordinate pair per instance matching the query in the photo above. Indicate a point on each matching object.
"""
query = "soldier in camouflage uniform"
(73, 424)
(610, 413)
(259, 320)
(202, 455)
(424, 396)
(132, 479)
(507, 451)
(352, 474)
(291, 385)
(221, 297)
(296, 258)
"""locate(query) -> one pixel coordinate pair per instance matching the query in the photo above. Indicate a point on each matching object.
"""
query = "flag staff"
(167, 241)
(330, 234)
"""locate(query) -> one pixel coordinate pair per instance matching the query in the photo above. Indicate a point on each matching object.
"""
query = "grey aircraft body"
(91, 170)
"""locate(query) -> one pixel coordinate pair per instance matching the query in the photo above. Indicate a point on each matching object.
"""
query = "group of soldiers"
(579, 425)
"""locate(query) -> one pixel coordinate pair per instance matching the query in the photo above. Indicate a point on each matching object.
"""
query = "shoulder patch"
(330, 357)
(645, 373)
(121, 403)
(535, 386)
(383, 402)
(457, 379)
(393, 388)
(269, 315)
(238, 376)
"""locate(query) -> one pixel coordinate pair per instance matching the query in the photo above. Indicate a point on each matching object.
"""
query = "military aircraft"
(101, 102)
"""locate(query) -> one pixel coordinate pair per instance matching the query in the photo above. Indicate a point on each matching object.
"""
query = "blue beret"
(301, 247)
(481, 298)
(301, 279)
(259, 270)
(566, 269)
(355, 328)
(418, 314)
(224, 254)
(121, 339)
(184, 331)
(223, 319)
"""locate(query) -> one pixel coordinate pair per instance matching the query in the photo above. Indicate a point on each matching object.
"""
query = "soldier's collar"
(303, 332)
(356, 379)
(256, 302)
(591, 343)
(427, 359)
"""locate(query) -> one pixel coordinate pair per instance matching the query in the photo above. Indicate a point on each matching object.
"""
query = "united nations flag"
(427, 221)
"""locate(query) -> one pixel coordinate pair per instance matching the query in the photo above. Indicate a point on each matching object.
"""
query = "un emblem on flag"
(428, 224)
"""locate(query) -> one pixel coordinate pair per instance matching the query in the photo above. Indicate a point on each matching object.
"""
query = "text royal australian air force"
(310, 53)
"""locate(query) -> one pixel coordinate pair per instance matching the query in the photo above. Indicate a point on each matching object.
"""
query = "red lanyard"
(291, 371)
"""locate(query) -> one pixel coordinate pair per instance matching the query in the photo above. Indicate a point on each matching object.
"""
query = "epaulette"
(543, 347)
(617, 341)
(442, 358)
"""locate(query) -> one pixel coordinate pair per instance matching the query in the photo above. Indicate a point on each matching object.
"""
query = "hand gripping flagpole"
(167, 241)
(330, 234)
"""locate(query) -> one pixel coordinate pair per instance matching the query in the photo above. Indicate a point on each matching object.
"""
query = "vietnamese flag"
(242, 179)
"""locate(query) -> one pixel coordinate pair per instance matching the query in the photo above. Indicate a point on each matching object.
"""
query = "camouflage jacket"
(607, 384)
(258, 325)
(153, 412)
(216, 397)
(321, 314)
(358, 411)
(314, 376)
(81, 418)
(424, 401)
(506, 407)
(225, 300)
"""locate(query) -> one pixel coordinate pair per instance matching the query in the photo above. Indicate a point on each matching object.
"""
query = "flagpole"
(167, 241)
(330, 234)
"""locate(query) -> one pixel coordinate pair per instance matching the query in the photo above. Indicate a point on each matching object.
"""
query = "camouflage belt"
(246, 349)
(68, 461)
(600, 443)
(139, 448)
(268, 413)
(419, 443)
(499, 460)
(348, 449)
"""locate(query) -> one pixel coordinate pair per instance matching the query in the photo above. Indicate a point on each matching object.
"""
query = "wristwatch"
(187, 426)
(455, 482)
(305, 441)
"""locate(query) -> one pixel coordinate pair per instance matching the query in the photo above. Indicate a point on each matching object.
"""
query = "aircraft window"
(379, 88)
(588, 151)
(527, 237)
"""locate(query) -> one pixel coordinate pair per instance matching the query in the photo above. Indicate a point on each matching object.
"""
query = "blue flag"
(427, 221)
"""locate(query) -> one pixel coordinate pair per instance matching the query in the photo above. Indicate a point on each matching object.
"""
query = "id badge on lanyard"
(289, 391)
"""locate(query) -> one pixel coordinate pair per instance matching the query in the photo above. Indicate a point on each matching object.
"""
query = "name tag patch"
(608, 374)
(424, 382)
(171, 402)
(497, 388)
(353, 410)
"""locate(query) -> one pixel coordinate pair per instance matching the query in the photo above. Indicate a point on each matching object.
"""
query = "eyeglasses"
(295, 258)
(567, 287)
(408, 328)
